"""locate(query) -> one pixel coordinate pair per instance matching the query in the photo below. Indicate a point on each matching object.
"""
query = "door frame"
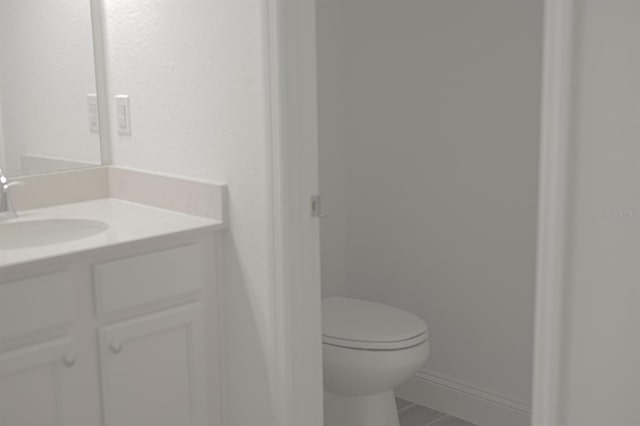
(292, 120)
(293, 165)
(552, 213)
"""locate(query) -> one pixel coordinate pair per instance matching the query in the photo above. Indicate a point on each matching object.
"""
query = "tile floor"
(416, 415)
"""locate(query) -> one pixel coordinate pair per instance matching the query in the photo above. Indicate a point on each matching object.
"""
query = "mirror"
(48, 103)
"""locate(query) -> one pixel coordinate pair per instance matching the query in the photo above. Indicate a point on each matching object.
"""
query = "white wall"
(602, 350)
(439, 157)
(195, 72)
(47, 71)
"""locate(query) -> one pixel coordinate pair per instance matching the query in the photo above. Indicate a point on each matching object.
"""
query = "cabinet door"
(34, 385)
(152, 369)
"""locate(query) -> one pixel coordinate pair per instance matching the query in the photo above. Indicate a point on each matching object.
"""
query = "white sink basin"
(39, 232)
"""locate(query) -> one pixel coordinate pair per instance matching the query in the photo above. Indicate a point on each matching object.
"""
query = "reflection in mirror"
(47, 87)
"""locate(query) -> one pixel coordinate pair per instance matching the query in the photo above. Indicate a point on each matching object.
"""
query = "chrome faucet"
(6, 207)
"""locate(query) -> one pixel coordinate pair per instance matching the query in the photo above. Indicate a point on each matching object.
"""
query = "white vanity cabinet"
(125, 336)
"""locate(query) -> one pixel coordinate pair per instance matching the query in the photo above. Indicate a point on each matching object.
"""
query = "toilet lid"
(359, 324)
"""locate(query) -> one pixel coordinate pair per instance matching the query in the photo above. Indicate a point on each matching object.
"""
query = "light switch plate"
(123, 114)
(92, 105)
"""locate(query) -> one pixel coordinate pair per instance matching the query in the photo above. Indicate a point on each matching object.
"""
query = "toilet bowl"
(368, 349)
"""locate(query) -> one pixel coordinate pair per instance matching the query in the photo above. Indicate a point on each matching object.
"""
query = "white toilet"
(368, 349)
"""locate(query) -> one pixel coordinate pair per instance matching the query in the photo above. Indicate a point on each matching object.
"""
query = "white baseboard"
(478, 406)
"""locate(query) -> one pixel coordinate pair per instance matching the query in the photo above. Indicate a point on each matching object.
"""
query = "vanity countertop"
(128, 223)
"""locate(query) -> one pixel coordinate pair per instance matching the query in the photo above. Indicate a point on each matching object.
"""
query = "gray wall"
(429, 139)
(332, 150)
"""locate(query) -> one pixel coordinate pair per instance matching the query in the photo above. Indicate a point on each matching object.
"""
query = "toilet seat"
(363, 325)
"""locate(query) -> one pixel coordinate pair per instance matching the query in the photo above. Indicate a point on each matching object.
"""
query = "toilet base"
(355, 410)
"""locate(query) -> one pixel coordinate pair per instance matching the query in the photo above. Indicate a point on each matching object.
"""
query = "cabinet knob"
(116, 347)
(69, 360)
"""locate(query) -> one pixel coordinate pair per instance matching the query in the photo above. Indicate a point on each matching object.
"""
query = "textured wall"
(442, 139)
(196, 77)
(601, 364)
(46, 73)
